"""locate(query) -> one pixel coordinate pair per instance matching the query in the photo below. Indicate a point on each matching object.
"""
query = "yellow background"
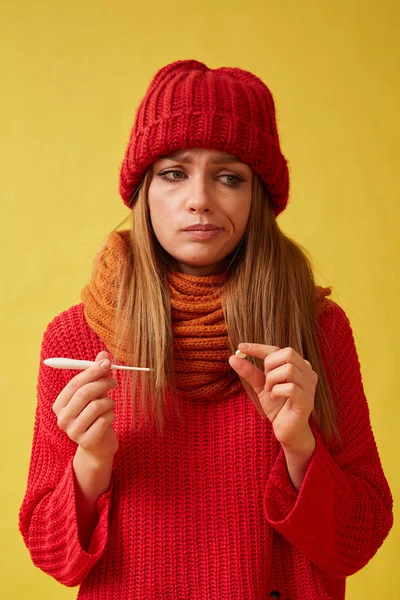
(72, 75)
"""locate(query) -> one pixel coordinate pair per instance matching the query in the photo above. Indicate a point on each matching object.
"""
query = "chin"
(198, 263)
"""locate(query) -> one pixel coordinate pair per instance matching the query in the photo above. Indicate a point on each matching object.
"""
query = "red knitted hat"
(189, 105)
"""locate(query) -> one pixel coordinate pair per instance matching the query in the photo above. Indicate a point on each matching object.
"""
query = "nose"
(199, 197)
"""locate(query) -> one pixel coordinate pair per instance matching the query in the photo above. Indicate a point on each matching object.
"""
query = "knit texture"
(189, 105)
(207, 511)
(201, 345)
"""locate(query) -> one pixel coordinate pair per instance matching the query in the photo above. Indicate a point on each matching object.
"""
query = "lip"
(202, 231)
(202, 227)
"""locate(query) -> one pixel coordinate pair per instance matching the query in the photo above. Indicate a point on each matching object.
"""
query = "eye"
(236, 180)
(233, 180)
(164, 175)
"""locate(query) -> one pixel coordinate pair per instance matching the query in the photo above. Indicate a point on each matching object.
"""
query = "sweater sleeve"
(47, 518)
(343, 510)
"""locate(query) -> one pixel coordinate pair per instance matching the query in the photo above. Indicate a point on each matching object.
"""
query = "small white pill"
(240, 354)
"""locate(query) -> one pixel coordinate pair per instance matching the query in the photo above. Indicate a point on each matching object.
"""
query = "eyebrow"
(183, 157)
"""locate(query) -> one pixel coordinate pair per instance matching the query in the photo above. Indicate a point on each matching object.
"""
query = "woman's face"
(199, 202)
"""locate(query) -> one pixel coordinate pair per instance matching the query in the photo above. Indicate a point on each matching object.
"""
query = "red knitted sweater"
(207, 511)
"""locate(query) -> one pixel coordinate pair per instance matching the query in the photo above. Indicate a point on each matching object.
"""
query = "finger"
(283, 356)
(284, 391)
(95, 433)
(257, 350)
(248, 372)
(82, 398)
(92, 373)
(88, 416)
(288, 373)
(288, 391)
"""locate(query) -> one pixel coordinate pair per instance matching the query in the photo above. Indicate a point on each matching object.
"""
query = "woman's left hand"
(286, 389)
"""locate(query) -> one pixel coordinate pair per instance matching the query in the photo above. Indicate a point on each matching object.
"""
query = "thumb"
(102, 355)
(249, 372)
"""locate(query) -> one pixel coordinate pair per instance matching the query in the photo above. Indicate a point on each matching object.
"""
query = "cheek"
(162, 219)
(240, 216)
(159, 209)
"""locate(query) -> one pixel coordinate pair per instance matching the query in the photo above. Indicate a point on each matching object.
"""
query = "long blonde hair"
(270, 298)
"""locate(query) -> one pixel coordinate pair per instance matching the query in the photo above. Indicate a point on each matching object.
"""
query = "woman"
(211, 476)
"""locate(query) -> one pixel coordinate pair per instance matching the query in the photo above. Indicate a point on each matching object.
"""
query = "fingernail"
(105, 364)
(244, 346)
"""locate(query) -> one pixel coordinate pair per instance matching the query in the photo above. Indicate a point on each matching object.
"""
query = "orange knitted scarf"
(201, 346)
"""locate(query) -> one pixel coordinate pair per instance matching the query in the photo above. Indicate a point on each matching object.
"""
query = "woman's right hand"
(85, 412)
